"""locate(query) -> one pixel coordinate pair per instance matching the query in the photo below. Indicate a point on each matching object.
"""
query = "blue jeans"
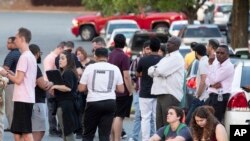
(195, 103)
(137, 119)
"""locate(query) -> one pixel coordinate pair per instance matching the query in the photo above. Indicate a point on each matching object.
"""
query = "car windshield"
(178, 26)
(245, 81)
(184, 51)
(127, 34)
(225, 8)
(139, 39)
(202, 32)
(116, 26)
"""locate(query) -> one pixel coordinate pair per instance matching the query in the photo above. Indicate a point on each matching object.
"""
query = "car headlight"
(75, 22)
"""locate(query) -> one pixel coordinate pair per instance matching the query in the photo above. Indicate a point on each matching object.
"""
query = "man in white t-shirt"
(201, 94)
(24, 89)
(101, 79)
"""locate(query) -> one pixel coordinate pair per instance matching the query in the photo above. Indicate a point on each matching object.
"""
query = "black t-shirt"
(147, 81)
(70, 80)
(40, 94)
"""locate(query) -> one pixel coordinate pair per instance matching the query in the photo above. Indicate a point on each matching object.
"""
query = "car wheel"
(87, 33)
(161, 28)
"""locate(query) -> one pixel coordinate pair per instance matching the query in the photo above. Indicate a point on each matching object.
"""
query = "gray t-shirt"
(184, 132)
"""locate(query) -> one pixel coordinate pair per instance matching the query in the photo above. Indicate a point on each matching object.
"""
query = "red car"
(89, 26)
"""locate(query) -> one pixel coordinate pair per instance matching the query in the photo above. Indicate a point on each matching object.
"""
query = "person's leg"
(60, 120)
(146, 114)
(159, 113)
(37, 136)
(2, 107)
(117, 128)
(9, 103)
(137, 120)
(51, 117)
(153, 117)
(105, 122)
(90, 120)
(18, 137)
(27, 137)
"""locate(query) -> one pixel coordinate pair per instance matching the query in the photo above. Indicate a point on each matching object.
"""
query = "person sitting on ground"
(205, 127)
(175, 130)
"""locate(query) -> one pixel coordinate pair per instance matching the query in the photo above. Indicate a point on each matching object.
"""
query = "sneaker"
(131, 139)
(7, 130)
(124, 134)
(55, 133)
(78, 136)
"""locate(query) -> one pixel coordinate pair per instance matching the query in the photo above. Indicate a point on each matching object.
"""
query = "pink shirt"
(223, 73)
(49, 63)
(25, 92)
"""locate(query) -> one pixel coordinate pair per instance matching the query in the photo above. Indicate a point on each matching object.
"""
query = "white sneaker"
(131, 139)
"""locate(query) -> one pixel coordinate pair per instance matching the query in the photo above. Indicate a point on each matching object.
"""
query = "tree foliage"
(108, 7)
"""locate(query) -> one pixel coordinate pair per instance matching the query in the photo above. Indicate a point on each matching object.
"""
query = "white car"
(127, 32)
(238, 107)
(201, 34)
(222, 12)
(176, 26)
(117, 24)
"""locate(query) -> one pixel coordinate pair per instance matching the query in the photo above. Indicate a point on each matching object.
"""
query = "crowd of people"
(97, 92)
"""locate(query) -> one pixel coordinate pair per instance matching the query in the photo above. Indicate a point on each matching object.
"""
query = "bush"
(56, 2)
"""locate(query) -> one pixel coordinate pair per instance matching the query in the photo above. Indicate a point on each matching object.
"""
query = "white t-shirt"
(101, 79)
(25, 92)
(202, 69)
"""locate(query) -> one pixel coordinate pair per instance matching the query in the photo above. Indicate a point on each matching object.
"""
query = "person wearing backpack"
(175, 130)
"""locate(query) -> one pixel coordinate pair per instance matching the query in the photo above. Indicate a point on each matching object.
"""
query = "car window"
(127, 34)
(245, 76)
(225, 8)
(116, 26)
(139, 39)
(202, 32)
(178, 26)
(184, 51)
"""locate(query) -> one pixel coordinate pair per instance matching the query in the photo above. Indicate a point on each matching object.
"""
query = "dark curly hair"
(203, 133)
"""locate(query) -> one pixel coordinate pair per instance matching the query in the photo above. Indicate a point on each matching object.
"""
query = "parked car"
(89, 26)
(118, 24)
(238, 106)
(136, 42)
(241, 51)
(201, 34)
(184, 50)
(176, 26)
(127, 32)
(222, 12)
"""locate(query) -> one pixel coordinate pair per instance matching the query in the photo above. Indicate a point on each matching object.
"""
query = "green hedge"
(56, 2)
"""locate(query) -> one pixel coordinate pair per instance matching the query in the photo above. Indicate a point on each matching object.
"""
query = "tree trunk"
(239, 30)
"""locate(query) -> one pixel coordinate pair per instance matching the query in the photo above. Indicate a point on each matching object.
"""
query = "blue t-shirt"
(184, 132)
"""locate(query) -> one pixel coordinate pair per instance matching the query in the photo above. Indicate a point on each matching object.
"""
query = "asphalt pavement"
(128, 126)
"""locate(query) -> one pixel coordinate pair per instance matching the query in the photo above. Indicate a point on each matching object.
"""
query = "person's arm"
(82, 87)
(18, 78)
(177, 138)
(221, 133)
(62, 88)
(45, 85)
(168, 66)
(223, 73)
(120, 88)
(155, 137)
(202, 85)
(127, 80)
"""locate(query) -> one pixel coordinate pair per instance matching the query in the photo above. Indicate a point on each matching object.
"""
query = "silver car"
(201, 34)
